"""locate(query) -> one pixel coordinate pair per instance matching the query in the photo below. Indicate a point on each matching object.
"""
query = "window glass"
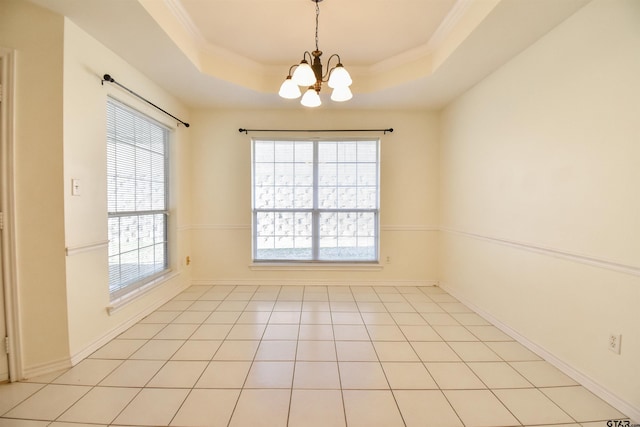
(315, 200)
(136, 198)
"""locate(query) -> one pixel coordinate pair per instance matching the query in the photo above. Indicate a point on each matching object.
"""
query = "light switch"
(75, 187)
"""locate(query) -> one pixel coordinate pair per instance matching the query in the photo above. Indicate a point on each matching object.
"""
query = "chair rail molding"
(552, 252)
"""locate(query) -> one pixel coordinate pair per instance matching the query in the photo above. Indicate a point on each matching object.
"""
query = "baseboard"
(45, 368)
(311, 282)
(583, 379)
(95, 345)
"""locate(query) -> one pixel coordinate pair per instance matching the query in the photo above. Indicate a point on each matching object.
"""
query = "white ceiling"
(235, 53)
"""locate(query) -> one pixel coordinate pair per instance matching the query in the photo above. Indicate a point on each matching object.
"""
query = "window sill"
(119, 303)
(313, 266)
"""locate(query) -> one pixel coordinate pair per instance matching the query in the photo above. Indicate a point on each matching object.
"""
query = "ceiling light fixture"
(311, 76)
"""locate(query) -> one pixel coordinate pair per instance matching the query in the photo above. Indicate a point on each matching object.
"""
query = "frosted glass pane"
(284, 197)
(284, 174)
(304, 152)
(327, 174)
(263, 151)
(367, 174)
(303, 197)
(347, 174)
(367, 197)
(367, 151)
(128, 233)
(327, 198)
(264, 174)
(284, 151)
(303, 173)
(264, 197)
(347, 198)
(347, 151)
(327, 152)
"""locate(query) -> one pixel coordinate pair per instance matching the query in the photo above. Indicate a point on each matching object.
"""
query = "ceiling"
(402, 54)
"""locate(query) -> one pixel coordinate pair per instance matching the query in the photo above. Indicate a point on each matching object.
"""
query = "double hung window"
(315, 200)
(137, 200)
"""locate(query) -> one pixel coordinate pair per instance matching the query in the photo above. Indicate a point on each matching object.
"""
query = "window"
(137, 175)
(315, 200)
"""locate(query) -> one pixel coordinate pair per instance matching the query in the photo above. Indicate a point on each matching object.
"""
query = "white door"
(4, 357)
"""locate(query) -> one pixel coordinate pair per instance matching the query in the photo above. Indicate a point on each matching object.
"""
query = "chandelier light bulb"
(304, 75)
(289, 89)
(339, 78)
(311, 98)
(341, 94)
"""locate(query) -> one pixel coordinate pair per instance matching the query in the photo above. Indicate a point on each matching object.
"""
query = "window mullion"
(315, 231)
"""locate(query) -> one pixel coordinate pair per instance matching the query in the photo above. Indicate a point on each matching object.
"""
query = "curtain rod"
(108, 78)
(246, 131)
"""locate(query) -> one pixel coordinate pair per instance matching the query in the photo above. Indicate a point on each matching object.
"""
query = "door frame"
(7, 206)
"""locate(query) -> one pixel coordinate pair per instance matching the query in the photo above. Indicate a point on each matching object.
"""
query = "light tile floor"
(307, 356)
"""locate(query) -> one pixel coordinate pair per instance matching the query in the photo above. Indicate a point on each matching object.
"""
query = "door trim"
(7, 206)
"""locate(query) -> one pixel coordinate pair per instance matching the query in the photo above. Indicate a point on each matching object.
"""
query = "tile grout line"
(440, 389)
(252, 360)
(295, 357)
(333, 330)
(191, 389)
(395, 399)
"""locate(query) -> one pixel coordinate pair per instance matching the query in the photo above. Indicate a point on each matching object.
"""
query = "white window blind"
(315, 200)
(137, 172)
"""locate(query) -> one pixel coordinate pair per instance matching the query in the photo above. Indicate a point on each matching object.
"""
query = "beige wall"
(59, 135)
(85, 62)
(37, 37)
(540, 207)
(221, 180)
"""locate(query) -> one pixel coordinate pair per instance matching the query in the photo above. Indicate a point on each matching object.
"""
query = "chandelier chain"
(317, 18)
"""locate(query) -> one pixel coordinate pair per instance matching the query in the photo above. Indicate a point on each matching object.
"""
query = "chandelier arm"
(325, 77)
(293, 67)
(306, 56)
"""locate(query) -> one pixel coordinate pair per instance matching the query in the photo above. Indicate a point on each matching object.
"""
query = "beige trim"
(87, 247)
(552, 252)
(123, 301)
(7, 204)
(309, 282)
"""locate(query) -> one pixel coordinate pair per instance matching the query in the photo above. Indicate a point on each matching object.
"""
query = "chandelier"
(309, 74)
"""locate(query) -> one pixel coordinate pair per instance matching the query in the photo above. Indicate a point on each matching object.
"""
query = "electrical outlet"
(614, 343)
(388, 259)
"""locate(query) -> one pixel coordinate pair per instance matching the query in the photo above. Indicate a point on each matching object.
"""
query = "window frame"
(315, 210)
(125, 288)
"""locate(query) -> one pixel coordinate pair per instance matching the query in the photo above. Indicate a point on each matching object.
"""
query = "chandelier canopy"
(309, 74)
